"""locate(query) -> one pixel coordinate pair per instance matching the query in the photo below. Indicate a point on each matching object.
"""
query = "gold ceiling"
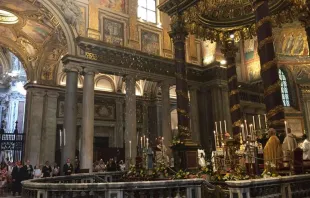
(215, 19)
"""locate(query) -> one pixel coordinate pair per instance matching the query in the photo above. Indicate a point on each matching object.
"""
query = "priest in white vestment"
(289, 143)
(306, 148)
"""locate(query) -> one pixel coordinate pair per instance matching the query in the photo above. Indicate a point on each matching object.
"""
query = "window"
(284, 89)
(147, 10)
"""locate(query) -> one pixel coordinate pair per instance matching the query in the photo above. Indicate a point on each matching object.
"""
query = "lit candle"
(60, 138)
(259, 124)
(253, 123)
(147, 143)
(215, 139)
(285, 123)
(242, 130)
(64, 137)
(130, 149)
(225, 126)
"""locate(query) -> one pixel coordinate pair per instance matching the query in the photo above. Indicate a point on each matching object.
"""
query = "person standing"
(29, 170)
(68, 168)
(18, 175)
(289, 143)
(37, 172)
(272, 150)
(305, 147)
(47, 170)
(55, 170)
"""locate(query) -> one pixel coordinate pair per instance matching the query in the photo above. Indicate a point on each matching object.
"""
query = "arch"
(63, 78)
(174, 119)
(105, 83)
(172, 92)
(139, 91)
(66, 28)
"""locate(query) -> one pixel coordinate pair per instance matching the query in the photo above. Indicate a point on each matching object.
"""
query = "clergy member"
(289, 143)
(305, 147)
(272, 150)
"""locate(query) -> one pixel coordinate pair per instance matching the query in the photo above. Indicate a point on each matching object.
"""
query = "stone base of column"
(185, 156)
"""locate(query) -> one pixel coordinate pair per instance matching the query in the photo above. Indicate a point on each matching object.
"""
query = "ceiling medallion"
(7, 17)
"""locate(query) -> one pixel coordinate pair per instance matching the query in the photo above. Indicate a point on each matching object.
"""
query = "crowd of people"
(110, 165)
(13, 173)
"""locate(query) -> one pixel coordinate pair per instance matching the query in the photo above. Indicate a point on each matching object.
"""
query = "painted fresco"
(115, 5)
(150, 42)
(22, 5)
(251, 59)
(82, 24)
(36, 31)
(292, 42)
(113, 32)
(6, 32)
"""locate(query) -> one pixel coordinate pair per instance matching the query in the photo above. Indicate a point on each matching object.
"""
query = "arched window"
(284, 89)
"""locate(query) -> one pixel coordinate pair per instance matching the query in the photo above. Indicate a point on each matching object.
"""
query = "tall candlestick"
(265, 120)
(225, 126)
(259, 124)
(60, 138)
(64, 137)
(253, 123)
(130, 149)
(215, 139)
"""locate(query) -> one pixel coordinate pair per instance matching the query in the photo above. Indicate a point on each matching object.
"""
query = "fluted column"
(70, 121)
(229, 50)
(269, 69)
(130, 120)
(87, 143)
(166, 116)
(179, 34)
(194, 114)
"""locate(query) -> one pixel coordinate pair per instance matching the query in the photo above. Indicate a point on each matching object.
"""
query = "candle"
(253, 123)
(246, 128)
(259, 124)
(60, 138)
(130, 149)
(147, 143)
(64, 137)
(144, 144)
(285, 123)
(221, 127)
(215, 139)
(141, 142)
(225, 126)
(216, 127)
(242, 130)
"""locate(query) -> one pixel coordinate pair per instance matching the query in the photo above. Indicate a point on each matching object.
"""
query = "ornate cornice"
(122, 61)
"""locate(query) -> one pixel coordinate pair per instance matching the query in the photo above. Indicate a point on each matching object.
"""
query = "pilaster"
(194, 114)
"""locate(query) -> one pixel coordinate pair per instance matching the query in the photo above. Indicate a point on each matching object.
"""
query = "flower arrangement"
(270, 170)
(176, 140)
(160, 171)
(181, 175)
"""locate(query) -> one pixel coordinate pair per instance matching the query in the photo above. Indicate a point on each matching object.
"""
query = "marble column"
(269, 69)
(166, 115)
(48, 139)
(178, 35)
(130, 120)
(194, 114)
(70, 117)
(33, 124)
(87, 139)
(229, 50)
(119, 127)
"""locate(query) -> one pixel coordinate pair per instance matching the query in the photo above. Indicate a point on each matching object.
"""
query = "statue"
(272, 150)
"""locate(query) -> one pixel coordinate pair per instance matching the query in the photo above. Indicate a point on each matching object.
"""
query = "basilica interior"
(87, 79)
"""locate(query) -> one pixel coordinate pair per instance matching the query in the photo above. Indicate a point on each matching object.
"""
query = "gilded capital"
(178, 30)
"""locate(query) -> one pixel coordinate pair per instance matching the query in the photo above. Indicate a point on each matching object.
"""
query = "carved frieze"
(103, 111)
